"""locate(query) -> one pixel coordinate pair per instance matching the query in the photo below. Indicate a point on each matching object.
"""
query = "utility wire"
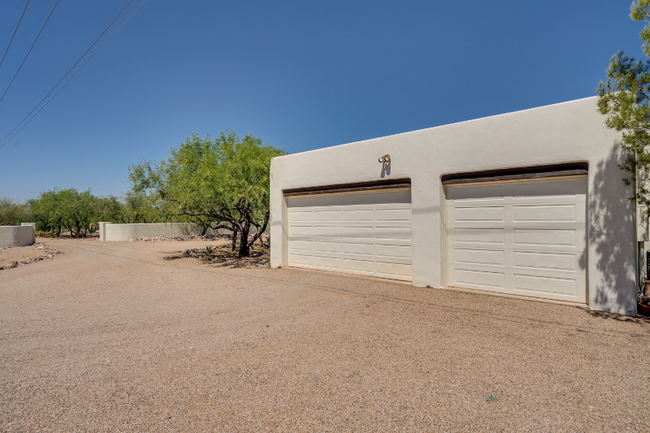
(69, 70)
(75, 74)
(14, 35)
(30, 50)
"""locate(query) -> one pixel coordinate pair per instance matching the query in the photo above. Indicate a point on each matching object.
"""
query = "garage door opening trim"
(516, 173)
(349, 187)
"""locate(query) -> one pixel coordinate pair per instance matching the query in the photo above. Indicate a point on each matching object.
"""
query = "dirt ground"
(23, 255)
(115, 337)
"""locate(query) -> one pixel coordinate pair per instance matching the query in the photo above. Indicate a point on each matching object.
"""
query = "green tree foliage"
(66, 209)
(133, 207)
(625, 99)
(220, 183)
(13, 213)
(79, 212)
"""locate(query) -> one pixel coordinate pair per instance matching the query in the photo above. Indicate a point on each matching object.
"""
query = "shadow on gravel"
(222, 256)
(618, 317)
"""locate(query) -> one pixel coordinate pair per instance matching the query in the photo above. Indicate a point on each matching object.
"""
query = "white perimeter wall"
(125, 232)
(567, 132)
(17, 236)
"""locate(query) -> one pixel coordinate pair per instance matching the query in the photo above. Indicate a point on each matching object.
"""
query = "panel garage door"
(365, 233)
(519, 237)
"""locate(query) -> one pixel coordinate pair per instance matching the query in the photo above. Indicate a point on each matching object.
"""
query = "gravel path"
(114, 337)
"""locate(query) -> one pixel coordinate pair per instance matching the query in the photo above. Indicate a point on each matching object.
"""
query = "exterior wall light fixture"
(385, 159)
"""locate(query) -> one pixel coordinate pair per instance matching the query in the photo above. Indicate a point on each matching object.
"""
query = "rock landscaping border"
(43, 252)
(183, 238)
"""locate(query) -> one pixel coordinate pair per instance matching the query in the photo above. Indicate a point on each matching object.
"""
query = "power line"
(30, 50)
(69, 70)
(75, 74)
(14, 35)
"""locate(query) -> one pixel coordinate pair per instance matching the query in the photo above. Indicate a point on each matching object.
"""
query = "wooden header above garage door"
(349, 187)
(535, 172)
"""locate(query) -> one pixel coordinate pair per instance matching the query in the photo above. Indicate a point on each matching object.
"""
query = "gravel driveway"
(114, 337)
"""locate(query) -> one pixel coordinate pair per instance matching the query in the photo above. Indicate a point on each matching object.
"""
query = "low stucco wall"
(567, 132)
(17, 236)
(125, 232)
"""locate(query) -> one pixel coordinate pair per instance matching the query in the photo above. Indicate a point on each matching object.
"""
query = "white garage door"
(519, 237)
(365, 233)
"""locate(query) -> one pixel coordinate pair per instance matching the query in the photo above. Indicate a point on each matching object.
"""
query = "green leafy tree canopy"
(66, 209)
(13, 213)
(220, 183)
(625, 99)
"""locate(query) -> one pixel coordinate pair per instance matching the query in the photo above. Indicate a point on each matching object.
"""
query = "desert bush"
(13, 213)
(44, 234)
(66, 209)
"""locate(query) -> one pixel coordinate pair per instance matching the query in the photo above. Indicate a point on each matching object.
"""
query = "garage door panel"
(297, 245)
(545, 285)
(327, 247)
(357, 232)
(348, 248)
(297, 216)
(480, 235)
(390, 269)
(301, 259)
(537, 249)
(301, 231)
(392, 242)
(399, 215)
(324, 260)
(365, 215)
(479, 214)
(480, 257)
(496, 280)
(547, 237)
(395, 251)
(359, 265)
(351, 232)
(543, 260)
(545, 213)
(326, 230)
(327, 216)
(393, 232)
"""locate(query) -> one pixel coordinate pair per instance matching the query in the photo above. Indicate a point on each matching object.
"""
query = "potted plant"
(644, 300)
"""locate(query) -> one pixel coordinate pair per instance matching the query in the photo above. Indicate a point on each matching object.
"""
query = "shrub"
(44, 234)
(13, 213)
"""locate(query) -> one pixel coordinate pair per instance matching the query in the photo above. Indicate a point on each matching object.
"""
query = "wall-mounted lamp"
(385, 159)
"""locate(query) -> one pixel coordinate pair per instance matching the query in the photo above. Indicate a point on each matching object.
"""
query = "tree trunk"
(244, 249)
(234, 239)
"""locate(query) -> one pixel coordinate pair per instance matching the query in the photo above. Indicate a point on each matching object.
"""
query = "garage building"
(529, 203)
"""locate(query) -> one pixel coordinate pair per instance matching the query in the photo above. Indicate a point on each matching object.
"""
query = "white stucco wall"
(17, 236)
(125, 232)
(567, 132)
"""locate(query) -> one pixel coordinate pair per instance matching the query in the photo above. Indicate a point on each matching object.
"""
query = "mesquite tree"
(220, 183)
(625, 99)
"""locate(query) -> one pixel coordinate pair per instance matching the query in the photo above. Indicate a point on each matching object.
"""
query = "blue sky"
(300, 75)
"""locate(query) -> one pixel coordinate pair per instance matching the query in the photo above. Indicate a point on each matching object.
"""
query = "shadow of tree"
(618, 317)
(613, 236)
